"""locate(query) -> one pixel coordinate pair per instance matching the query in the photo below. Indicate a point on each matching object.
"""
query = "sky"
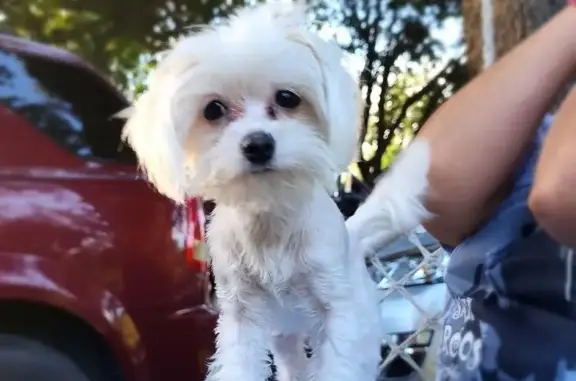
(450, 34)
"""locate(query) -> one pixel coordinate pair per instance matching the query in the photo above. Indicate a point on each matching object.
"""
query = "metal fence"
(409, 274)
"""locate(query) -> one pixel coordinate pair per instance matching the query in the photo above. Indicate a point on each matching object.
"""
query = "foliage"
(112, 34)
(402, 75)
(401, 78)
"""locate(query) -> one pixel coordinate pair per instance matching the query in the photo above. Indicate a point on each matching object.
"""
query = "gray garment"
(512, 311)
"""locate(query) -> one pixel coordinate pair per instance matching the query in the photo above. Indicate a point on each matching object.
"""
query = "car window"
(66, 103)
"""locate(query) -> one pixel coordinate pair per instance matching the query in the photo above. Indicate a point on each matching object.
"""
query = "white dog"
(261, 115)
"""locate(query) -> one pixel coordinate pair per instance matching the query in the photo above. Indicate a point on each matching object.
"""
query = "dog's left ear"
(342, 106)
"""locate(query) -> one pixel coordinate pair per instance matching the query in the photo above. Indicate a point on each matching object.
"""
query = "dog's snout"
(258, 147)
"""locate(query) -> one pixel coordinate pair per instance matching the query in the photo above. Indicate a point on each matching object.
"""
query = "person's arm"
(478, 136)
(553, 196)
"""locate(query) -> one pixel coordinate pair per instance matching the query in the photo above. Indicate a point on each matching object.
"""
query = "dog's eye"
(214, 110)
(287, 99)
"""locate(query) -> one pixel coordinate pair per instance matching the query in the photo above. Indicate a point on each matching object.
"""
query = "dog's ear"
(343, 102)
(152, 131)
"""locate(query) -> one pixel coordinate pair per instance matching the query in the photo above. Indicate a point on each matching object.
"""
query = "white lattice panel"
(409, 274)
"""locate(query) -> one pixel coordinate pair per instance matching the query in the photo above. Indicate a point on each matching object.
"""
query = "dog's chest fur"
(264, 267)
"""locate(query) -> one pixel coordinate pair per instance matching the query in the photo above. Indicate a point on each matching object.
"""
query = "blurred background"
(411, 54)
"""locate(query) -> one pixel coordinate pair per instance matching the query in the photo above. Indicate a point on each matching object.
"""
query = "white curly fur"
(285, 268)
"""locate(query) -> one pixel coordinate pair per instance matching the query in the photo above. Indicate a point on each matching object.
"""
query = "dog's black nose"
(258, 147)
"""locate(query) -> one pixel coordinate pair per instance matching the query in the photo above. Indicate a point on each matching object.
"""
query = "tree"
(404, 77)
(513, 20)
(401, 81)
(117, 36)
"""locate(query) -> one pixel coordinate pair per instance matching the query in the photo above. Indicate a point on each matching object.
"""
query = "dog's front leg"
(289, 357)
(347, 352)
(241, 351)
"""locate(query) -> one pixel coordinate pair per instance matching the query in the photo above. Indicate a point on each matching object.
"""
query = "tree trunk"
(471, 9)
(513, 21)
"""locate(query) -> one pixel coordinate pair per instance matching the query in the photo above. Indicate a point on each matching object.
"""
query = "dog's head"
(240, 110)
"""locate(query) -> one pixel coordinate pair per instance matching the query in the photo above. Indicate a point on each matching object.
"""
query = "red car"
(101, 278)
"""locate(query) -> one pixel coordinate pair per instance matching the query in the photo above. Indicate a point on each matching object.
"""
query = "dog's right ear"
(343, 102)
(152, 131)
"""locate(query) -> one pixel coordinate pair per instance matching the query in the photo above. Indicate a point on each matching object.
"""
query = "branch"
(370, 35)
(419, 94)
(435, 100)
(390, 56)
(382, 142)
(366, 116)
(352, 15)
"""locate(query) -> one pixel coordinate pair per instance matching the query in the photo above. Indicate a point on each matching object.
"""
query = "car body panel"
(93, 238)
(32, 278)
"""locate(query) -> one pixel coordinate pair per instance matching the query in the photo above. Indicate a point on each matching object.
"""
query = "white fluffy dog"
(261, 115)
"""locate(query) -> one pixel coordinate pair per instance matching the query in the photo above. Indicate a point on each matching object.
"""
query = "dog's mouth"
(260, 169)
